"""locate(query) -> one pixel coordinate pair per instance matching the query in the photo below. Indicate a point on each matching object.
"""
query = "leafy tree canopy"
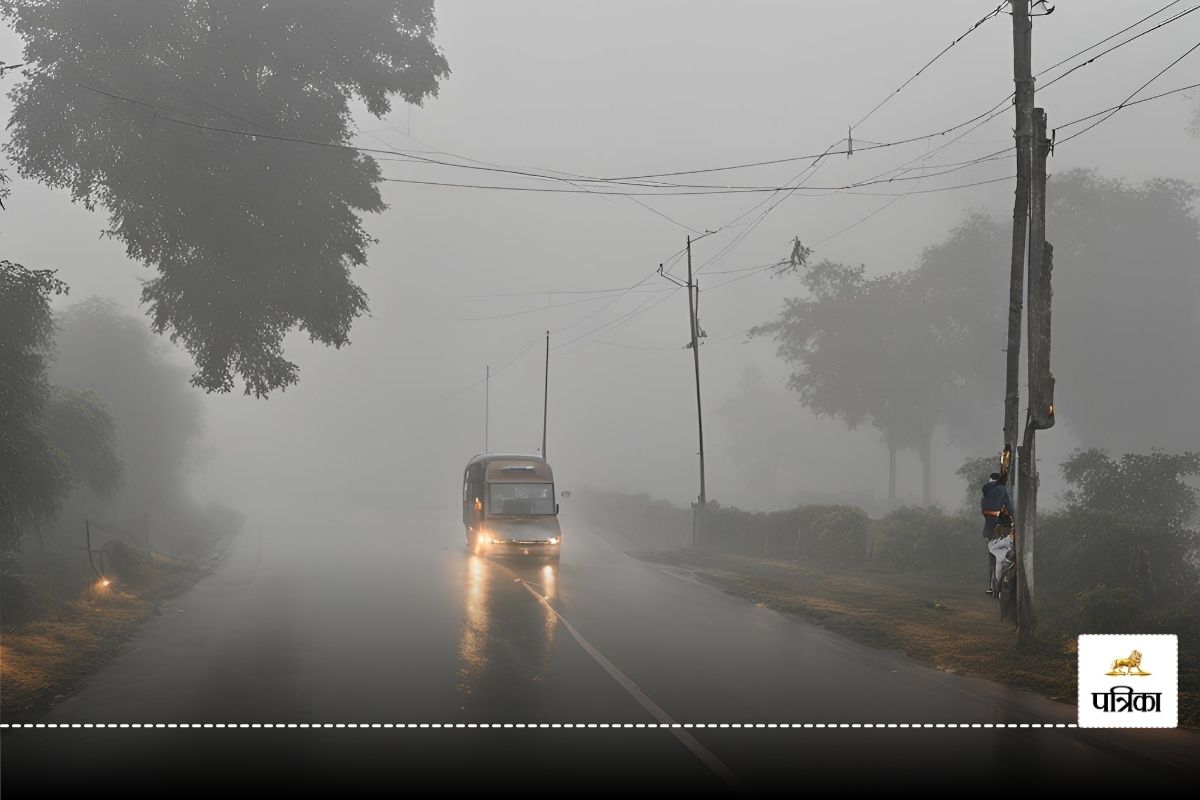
(1150, 487)
(251, 236)
(156, 413)
(35, 475)
(864, 349)
(1126, 525)
(1126, 313)
(82, 426)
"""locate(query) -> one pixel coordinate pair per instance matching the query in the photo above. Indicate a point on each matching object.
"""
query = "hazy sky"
(624, 88)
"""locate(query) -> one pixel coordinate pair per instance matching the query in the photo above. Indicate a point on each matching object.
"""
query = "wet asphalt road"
(373, 622)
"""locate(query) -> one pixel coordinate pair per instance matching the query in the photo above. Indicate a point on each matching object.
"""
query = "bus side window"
(475, 483)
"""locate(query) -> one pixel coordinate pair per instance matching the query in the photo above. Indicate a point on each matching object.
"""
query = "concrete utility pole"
(487, 400)
(693, 301)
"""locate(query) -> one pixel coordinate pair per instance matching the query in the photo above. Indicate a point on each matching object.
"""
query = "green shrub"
(1082, 549)
(915, 539)
(1109, 609)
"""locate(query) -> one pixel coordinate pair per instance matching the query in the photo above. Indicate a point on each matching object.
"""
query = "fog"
(622, 89)
(348, 592)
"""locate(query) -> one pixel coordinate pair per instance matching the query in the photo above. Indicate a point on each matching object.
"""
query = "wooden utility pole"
(1041, 382)
(546, 395)
(1023, 78)
(1022, 28)
(692, 303)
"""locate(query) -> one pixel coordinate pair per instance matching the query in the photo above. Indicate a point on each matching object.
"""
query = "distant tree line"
(909, 351)
(94, 420)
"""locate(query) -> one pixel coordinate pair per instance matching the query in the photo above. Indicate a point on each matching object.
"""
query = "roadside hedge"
(1088, 562)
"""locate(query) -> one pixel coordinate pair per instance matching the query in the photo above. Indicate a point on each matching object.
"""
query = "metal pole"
(546, 395)
(487, 398)
(692, 303)
(87, 526)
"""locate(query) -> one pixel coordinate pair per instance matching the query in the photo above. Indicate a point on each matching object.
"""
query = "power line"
(861, 220)
(554, 291)
(991, 14)
(646, 206)
(612, 325)
(1119, 106)
(747, 269)
(542, 174)
(1116, 46)
(625, 346)
(811, 169)
(494, 373)
(519, 313)
(1111, 36)
(951, 129)
(1124, 102)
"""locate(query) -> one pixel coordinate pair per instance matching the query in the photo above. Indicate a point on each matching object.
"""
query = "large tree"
(81, 425)
(865, 349)
(756, 442)
(35, 475)
(1126, 344)
(1126, 352)
(102, 349)
(963, 284)
(181, 120)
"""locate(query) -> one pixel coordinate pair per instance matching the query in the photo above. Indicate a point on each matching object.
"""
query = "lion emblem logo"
(1126, 666)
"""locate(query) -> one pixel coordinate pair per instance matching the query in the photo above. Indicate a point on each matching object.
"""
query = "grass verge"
(45, 658)
(951, 627)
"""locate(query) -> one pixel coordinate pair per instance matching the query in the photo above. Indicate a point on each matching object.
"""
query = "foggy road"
(376, 620)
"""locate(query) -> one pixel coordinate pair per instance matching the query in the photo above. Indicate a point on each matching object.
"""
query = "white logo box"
(1142, 696)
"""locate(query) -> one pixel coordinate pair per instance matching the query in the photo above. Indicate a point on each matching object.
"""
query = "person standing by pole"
(996, 507)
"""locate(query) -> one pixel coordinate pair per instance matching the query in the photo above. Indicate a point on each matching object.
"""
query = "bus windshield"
(514, 499)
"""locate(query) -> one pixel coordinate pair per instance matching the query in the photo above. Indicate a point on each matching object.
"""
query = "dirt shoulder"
(48, 657)
(953, 628)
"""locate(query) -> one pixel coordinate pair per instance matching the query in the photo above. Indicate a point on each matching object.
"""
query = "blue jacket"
(996, 506)
(995, 499)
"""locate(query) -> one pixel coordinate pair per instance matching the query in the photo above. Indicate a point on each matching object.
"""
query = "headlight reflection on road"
(549, 579)
(471, 646)
(507, 640)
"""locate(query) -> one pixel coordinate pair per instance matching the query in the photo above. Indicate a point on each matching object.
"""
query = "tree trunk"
(891, 471)
(773, 485)
(926, 468)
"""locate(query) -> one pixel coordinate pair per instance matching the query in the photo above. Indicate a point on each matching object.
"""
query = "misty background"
(625, 89)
